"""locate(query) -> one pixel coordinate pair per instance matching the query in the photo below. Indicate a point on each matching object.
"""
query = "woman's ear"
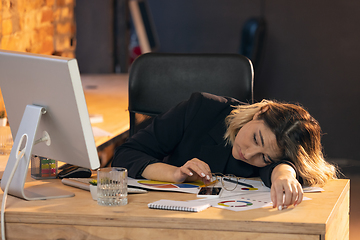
(262, 110)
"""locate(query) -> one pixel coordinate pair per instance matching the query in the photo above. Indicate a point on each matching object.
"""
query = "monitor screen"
(53, 84)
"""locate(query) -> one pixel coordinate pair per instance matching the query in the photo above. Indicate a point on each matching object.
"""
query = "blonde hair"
(298, 136)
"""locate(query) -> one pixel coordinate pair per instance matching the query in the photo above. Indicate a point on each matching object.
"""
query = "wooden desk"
(326, 216)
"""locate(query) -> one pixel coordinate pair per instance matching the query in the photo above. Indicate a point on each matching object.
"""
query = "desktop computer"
(48, 117)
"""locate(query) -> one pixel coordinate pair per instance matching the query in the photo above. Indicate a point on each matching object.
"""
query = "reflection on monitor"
(48, 117)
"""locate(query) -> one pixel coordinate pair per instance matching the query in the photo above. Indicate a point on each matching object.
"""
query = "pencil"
(205, 185)
(240, 183)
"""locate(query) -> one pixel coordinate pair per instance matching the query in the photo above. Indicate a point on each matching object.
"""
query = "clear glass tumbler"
(112, 186)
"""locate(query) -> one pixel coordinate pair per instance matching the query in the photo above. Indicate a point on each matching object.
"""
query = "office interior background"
(311, 52)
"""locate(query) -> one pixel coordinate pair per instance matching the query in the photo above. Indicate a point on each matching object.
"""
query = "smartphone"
(210, 192)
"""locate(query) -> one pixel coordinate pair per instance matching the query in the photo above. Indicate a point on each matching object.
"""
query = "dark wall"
(201, 25)
(311, 54)
(94, 36)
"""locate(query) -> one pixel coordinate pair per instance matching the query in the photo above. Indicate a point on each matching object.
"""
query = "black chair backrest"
(159, 81)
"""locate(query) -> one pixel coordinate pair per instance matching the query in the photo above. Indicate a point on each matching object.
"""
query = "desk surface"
(326, 216)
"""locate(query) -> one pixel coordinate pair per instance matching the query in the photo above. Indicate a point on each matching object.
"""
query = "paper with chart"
(259, 186)
(192, 187)
(240, 199)
(246, 198)
(242, 202)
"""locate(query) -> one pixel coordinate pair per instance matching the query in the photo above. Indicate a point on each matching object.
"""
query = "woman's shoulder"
(207, 105)
(203, 106)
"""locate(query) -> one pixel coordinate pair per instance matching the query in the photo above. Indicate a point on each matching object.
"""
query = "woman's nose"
(251, 152)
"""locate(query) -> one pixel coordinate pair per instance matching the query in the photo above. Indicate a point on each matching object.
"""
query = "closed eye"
(255, 140)
(268, 160)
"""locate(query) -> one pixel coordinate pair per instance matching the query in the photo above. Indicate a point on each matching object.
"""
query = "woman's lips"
(241, 155)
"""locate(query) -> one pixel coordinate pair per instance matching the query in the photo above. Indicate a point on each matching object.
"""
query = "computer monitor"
(48, 117)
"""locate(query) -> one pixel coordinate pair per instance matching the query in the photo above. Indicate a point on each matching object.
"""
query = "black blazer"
(192, 129)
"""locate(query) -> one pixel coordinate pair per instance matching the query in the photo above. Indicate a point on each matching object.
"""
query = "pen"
(240, 183)
(205, 185)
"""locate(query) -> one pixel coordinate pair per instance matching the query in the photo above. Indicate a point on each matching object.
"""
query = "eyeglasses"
(229, 181)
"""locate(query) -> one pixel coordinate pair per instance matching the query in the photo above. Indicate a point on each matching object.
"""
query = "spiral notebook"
(179, 205)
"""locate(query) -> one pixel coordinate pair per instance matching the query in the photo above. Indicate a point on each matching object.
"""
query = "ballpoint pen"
(240, 183)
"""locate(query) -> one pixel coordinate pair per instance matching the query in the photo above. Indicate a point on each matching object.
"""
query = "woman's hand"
(285, 188)
(193, 170)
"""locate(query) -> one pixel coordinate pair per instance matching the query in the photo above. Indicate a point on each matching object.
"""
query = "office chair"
(159, 81)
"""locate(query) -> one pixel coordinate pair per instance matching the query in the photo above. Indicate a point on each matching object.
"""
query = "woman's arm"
(152, 144)
(192, 170)
(285, 189)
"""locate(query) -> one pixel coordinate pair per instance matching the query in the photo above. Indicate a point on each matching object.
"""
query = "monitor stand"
(19, 160)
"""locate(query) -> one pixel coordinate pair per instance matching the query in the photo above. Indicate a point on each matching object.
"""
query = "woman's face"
(256, 144)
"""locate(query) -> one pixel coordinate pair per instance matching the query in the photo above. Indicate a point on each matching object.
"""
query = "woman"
(278, 142)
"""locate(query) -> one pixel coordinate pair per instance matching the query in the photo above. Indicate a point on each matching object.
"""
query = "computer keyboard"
(84, 183)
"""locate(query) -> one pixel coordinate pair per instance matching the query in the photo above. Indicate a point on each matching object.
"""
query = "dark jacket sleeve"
(156, 141)
(265, 172)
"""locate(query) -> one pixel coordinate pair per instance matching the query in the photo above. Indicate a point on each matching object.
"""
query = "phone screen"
(209, 191)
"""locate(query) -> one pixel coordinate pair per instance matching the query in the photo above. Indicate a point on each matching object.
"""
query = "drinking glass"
(112, 186)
